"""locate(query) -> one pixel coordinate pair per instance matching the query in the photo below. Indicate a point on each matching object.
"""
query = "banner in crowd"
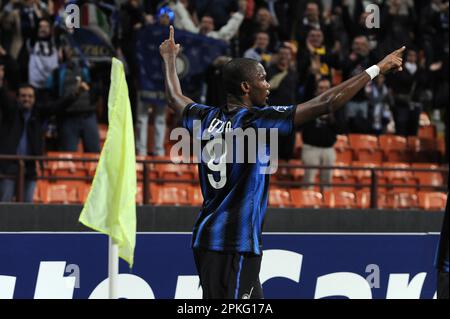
(197, 53)
(74, 265)
(91, 44)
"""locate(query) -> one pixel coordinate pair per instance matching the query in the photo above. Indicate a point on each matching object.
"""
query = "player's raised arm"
(336, 97)
(169, 51)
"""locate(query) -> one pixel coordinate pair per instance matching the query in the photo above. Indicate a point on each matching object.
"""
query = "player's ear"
(245, 87)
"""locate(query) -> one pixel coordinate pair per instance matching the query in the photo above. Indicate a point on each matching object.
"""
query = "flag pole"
(113, 268)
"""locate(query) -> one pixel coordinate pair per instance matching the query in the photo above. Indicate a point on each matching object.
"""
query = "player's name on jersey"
(220, 143)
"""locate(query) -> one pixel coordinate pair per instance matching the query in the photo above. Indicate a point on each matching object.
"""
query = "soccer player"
(227, 234)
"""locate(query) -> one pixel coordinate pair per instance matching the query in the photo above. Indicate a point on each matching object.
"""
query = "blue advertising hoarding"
(295, 265)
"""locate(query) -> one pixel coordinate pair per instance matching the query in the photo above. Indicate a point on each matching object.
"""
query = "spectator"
(78, 120)
(311, 20)
(165, 17)
(398, 24)
(207, 23)
(314, 62)
(354, 19)
(357, 110)
(218, 10)
(263, 21)
(159, 115)
(31, 12)
(259, 49)
(282, 79)
(22, 122)
(132, 18)
(380, 100)
(184, 20)
(10, 29)
(40, 58)
(319, 137)
(11, 69)
(433, 30)
(407, 87)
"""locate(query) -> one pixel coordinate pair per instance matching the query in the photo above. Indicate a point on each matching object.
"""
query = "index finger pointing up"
(400, 51)
(171, 34)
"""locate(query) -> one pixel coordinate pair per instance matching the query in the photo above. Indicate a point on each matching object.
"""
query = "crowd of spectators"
(304, 45)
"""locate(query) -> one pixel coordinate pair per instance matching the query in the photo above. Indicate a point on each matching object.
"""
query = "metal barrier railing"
(146, 180)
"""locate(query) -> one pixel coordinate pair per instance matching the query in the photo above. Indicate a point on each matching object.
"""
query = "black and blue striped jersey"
(234, 187)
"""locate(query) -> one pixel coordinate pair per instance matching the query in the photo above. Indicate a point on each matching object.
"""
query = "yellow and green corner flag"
(110, 207)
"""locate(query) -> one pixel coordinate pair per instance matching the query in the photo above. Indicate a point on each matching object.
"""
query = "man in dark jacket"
(408, 89)
(22, 134)
(78, 120)
(283, 79)
(319, 137)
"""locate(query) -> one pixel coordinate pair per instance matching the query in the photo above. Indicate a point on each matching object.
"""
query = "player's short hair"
(237, 71)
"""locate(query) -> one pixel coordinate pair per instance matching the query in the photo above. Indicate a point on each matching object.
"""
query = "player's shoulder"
(198, 106)
(273, 109)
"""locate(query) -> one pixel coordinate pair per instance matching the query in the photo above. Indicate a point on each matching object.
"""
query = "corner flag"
(110, 207)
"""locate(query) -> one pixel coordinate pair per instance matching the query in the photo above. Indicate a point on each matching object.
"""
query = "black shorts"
(226, 275)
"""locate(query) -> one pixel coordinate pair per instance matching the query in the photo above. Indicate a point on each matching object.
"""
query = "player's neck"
(234, 102)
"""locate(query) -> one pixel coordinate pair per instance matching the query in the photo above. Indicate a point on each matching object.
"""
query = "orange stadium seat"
(65, 168)
(424, 149)
(428, 131)
(343, 176)
(402, 200)
(344, 155)
(40, 192)
(397, 175)
(139, 167)
(432, 200)
(306, 198)
(408, 185)
(363, 199)
(343, 151)
(139, 194)
(196, 196)
(61, 194)
(342, 141)
(83, 192)
(364, 176)
(395, 148)
(339, 199)
(283, 173)
(175, 171)
(170, 195)
(297, 172)
(289, 173)
(279, 197)
(90, 167)
(366, 147)
(171, 170)
(441, 146)
(428, 178)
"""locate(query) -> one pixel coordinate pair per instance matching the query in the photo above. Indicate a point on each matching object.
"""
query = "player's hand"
(392, 62)
(168, 48)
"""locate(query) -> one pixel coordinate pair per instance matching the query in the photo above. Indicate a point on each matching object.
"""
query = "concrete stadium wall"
(63, 218)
